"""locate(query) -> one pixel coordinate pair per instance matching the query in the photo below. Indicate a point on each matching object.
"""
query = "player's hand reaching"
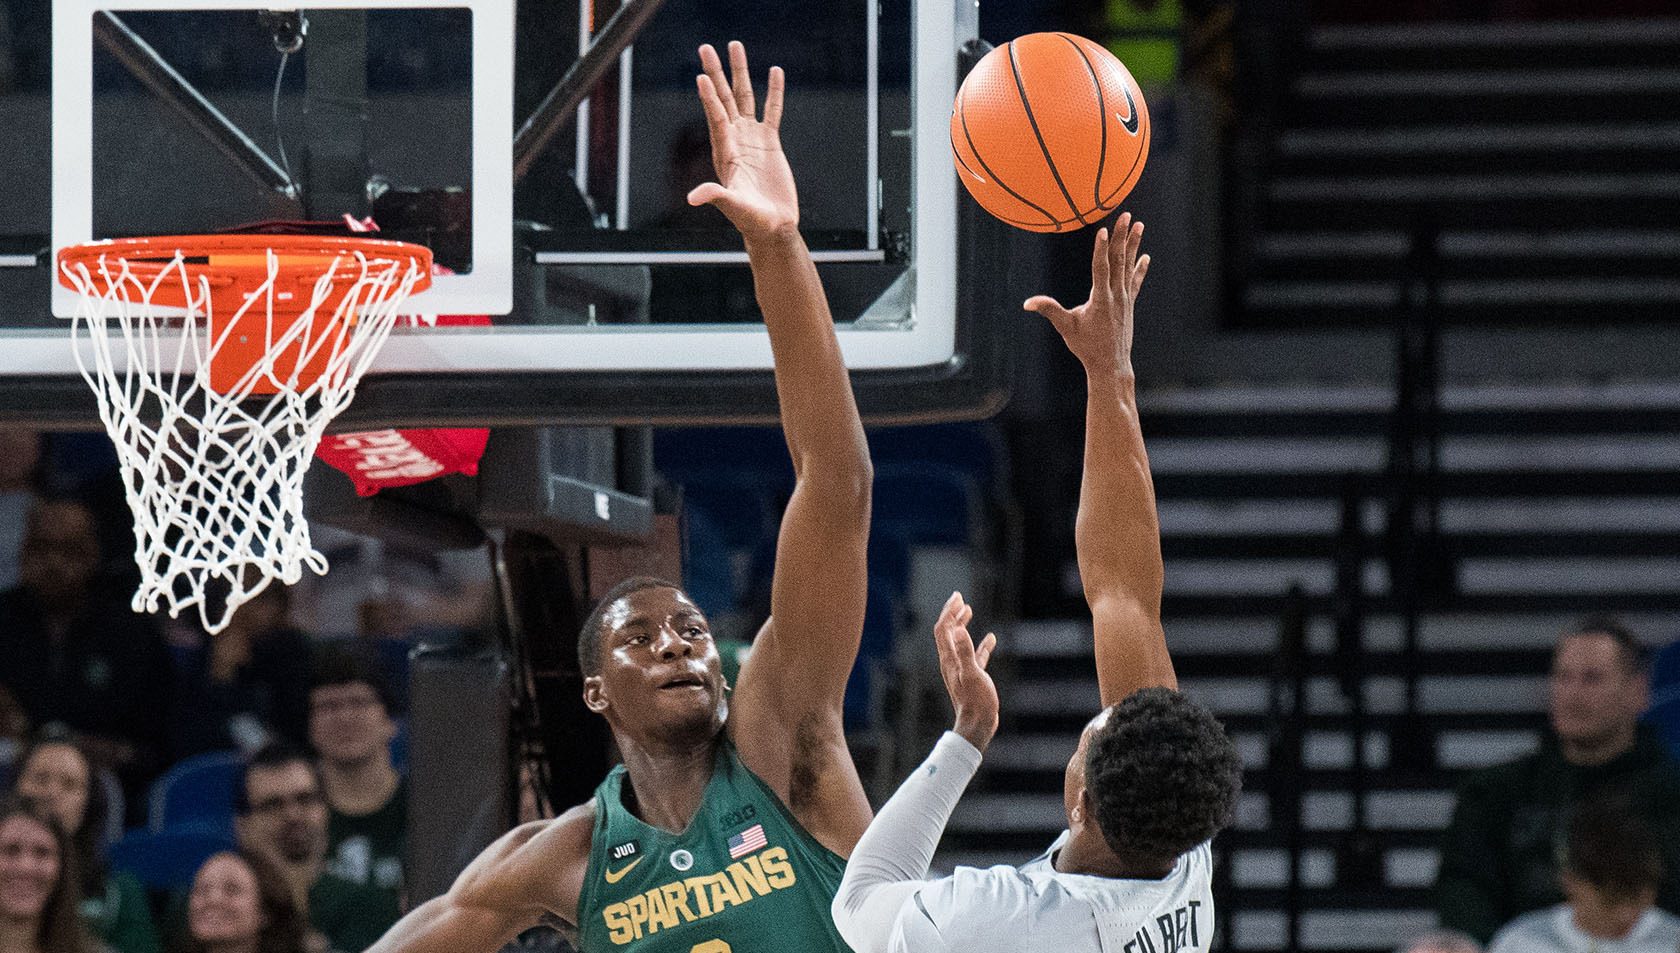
(963, 666)
(754, 186)
(1099, 332)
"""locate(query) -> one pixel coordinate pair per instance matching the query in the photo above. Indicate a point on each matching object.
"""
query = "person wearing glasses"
(280, 815)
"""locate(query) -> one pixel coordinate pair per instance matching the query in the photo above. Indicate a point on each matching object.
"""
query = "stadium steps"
(1558, 501)
(1546, 152)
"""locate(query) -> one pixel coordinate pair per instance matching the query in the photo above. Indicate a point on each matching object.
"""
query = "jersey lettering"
(696, 898)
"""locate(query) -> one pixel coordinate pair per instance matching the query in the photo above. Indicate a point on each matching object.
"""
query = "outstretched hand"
(963, 666)
(1099, 332)
(754, 186)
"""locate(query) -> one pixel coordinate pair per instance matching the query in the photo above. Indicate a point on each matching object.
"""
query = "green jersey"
(744, 878)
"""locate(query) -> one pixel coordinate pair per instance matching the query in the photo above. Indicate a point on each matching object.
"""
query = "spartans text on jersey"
(696, 898)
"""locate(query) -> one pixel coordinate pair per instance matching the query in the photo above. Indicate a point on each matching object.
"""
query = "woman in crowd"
(56, 775)
(239, 904)
(38, 890)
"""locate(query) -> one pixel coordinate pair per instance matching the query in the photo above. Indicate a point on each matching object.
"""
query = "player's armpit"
(1131, 649)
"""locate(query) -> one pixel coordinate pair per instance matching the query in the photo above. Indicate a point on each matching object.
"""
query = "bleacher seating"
(196, 790)
(166, 859)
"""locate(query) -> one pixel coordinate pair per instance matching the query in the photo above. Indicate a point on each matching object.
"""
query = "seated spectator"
(77, 654)
(281, 816)
(240, 904)
(1610, 874)
(1442, 941)
(38, 896)
(245, 687)
(56, 776)
(1498, 859)
(351, 727)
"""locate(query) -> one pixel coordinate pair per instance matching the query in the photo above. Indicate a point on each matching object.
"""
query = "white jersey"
(1035, 908)
(1553, 930)
(886, 904)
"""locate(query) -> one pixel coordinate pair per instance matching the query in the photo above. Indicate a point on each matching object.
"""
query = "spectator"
(20, 486)
(281, 816)
(351, 726)
(77, 654)
(56, 776)
(1610, 874)
(1443, 941)
(240, 904)
(1499, 855)
(38, 894)
(248, 685)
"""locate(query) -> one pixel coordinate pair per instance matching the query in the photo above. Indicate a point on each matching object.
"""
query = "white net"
(215, 476)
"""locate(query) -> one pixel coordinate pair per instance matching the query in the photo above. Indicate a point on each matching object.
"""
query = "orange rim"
(235, 266)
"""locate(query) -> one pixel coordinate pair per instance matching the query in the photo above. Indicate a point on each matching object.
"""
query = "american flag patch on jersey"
(747, 841)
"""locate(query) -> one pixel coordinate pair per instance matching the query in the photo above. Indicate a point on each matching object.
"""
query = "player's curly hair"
(1163, 776)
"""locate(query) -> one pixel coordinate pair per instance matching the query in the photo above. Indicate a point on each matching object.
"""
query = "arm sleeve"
(890, 863)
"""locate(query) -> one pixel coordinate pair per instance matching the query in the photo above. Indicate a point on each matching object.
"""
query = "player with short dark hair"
(726, 827)
(1154, 777)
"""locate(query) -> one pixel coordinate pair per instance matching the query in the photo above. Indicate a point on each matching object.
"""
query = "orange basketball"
(1050, 132)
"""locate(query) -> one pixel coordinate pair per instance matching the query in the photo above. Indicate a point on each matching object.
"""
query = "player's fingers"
(717, 114)
(710, 193)
(952, 606)
(713, 68)
(1134, 238)
(1099, 260)
(1050, 308)
(773, 98)
(742, 80)
(983, 654)
(1139, 272)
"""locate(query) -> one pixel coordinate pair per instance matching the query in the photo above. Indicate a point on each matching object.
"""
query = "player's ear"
(595, 694)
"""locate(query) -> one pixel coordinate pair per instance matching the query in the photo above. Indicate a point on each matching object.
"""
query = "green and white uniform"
(744, 878)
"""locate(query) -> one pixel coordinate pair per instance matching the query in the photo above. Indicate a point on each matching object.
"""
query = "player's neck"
(1079, 856)
(667, 784)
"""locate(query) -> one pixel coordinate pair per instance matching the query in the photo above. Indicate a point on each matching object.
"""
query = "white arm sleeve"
(891, 860)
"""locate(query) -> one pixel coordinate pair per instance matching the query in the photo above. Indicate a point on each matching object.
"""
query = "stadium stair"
(1548, 154)
(1559, 502)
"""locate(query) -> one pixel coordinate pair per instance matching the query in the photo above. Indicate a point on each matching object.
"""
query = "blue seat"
(976, 449)
(926, 503)
(167, 859)
(880, 628)
(198, 789)
(1664, 713)
(740, 503)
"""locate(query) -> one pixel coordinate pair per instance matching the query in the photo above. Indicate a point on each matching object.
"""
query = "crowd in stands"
(168, 791)
(1576, 846)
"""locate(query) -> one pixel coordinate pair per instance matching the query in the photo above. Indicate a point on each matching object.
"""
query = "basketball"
(1050, 132)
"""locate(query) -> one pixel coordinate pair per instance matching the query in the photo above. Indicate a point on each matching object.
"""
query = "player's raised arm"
(788, 702)
(1118, 536)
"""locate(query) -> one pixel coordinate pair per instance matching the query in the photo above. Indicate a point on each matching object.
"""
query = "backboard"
(449, 122)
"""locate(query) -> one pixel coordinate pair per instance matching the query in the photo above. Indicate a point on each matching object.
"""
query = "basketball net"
(215, 416)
